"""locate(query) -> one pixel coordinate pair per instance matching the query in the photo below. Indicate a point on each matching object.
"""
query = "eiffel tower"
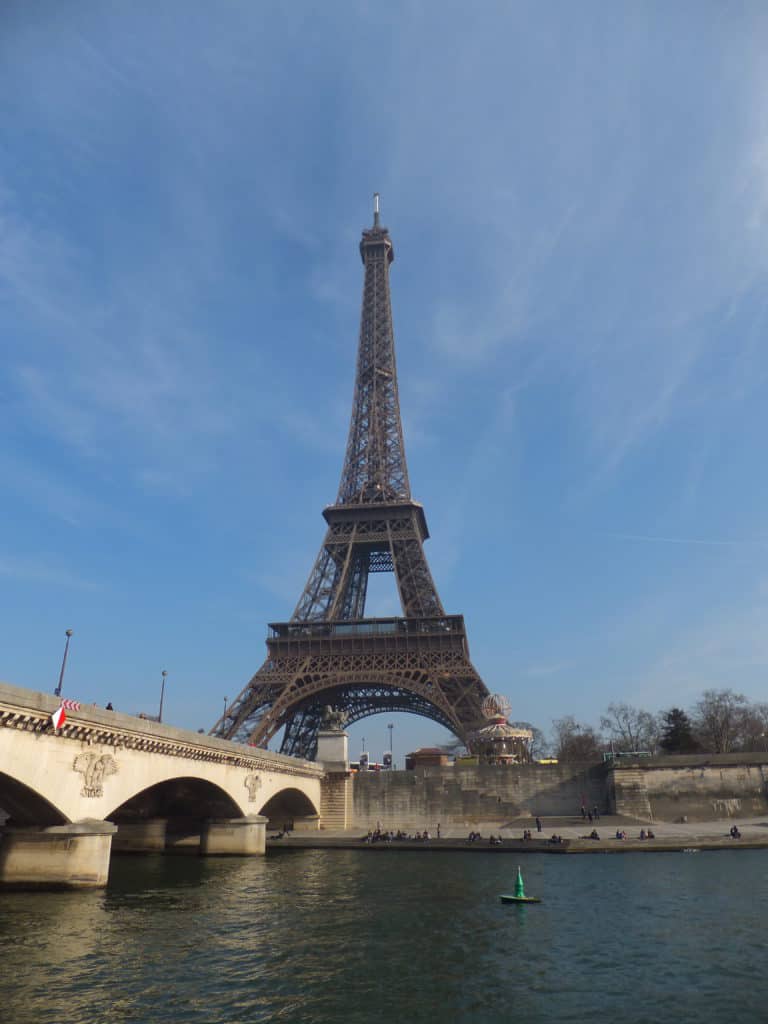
(330, 654)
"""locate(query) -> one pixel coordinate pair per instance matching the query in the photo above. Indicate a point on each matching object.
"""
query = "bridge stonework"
(110, 781)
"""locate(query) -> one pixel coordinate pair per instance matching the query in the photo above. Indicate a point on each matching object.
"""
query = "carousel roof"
(501, 730)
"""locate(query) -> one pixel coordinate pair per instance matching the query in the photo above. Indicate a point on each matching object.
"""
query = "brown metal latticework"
(329, 653)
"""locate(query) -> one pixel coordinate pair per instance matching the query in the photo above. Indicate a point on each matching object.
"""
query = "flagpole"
(57, 691)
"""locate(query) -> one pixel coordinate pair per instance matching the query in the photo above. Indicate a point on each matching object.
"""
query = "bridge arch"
(178, 797)
(287, 806)
(25, 806)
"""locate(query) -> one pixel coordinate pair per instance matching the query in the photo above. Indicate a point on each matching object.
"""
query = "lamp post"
(391, 749)
(225, 707)
(162, 694)
(57, 691)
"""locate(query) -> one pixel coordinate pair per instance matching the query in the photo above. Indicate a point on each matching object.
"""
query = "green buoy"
(519, 896)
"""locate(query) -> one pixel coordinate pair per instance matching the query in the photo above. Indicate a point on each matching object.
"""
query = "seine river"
(341, 936)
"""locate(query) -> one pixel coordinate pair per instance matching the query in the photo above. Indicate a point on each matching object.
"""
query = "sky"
(578, 199)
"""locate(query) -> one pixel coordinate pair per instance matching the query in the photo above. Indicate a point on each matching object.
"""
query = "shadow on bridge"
(171, 816)
(290, 807)
(24, 806)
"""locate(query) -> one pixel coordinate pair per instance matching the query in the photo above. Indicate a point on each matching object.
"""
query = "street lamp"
(225, 707)
(391, 748)
(57, 691)
(162, 694)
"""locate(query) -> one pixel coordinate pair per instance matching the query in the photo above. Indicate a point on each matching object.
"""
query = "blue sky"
(578, 197)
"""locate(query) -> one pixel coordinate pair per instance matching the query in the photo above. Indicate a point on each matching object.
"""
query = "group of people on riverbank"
(621, 834)
(379, 835)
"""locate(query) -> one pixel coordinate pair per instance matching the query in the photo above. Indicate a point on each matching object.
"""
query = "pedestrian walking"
(538, 824)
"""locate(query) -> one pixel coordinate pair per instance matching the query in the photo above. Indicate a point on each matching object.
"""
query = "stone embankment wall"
(465, 796)
(696, 787)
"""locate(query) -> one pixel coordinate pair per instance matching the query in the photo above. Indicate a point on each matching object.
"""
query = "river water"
(345, 936)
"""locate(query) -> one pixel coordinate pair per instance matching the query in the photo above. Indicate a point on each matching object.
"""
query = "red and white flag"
(70, 705)
(59, 717)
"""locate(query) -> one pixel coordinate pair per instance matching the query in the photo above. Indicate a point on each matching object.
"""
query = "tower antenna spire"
(375, 209)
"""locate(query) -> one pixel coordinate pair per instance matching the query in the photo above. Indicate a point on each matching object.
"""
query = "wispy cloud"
(545, 669)
(28, 482)
(38, 571)
(728, 651)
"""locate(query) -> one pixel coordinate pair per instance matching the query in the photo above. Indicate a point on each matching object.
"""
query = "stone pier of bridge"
(108, 783)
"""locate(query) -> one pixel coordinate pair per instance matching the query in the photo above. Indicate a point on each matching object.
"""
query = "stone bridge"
(108, 781)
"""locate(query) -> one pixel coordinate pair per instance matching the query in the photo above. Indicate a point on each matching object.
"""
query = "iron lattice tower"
(329, 653)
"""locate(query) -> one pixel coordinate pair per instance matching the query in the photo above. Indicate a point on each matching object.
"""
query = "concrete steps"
(631, 795)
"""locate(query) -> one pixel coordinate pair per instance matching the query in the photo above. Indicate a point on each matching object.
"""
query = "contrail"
(689, 540)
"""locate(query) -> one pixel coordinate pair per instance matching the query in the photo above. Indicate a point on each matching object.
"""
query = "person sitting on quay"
(650, 834)
(555, 839)
(642, 833)
(735, 834)
(620, 834)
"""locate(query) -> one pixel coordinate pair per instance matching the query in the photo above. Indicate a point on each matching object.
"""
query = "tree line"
(720, 722)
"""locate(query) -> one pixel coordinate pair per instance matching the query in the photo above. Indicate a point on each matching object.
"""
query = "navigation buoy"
(519, 896)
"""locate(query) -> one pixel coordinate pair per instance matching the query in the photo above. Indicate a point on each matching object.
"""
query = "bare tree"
(630, 728)
(719, 720)
(754, 728)
(539, 745)
(575, 742)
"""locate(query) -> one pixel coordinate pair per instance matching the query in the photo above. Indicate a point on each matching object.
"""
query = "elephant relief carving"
(253, 784)
(93, 768)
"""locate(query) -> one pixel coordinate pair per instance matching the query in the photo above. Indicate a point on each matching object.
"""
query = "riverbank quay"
(669, 838)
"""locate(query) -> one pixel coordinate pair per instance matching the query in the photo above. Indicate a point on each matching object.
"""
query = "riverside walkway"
(669, 838)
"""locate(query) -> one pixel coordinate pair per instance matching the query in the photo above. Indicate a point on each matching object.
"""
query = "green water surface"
(347, 936)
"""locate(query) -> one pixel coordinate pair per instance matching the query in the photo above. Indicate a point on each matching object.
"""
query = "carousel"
(498, 742)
